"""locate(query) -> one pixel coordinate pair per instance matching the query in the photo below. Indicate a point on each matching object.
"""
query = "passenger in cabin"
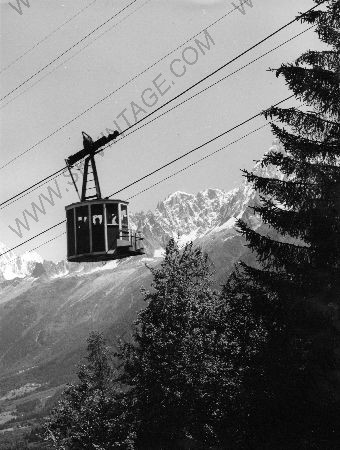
(83, 235)
(97, 222)
(98, 235)
(114, 220)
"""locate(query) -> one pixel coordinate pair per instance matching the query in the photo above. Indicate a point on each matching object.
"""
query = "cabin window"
(112, 219)
(124, 219)
(97, 224)
(112, 214)
(123, 209)
(82, 229)
(70, 232)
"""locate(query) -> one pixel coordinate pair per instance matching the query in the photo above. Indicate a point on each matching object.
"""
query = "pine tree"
(292, 389)
(179, 377)
(89, 416)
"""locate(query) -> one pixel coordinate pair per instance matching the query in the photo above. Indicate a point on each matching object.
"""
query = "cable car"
(97, 229)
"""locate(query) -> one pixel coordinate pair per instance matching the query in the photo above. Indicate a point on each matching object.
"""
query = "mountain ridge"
(181, 215)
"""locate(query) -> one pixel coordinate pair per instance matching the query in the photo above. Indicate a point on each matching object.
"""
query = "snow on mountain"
(32, 265)
(12, 266)
(185, 217)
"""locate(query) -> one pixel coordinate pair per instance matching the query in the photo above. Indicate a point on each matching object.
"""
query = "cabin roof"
(96, 202)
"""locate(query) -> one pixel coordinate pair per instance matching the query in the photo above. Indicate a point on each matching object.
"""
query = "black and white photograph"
(170, 224)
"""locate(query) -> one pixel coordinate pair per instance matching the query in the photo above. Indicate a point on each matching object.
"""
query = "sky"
(143, 33)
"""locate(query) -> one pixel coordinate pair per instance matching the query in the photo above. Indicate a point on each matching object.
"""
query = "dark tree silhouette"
(179, 364)
(91, 412)
(291, 393)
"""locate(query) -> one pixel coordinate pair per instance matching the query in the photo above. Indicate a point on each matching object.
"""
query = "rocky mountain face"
(47, 310)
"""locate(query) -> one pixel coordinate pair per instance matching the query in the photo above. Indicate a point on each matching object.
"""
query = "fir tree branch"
(328, 22)
(300, 224)
(288, 193)
(304, 148)
(273, 254)
(329, 59)
(317, 87)
(305, 123)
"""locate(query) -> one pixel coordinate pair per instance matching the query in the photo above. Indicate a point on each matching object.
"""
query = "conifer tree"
(176, 368)
(89, 416)
(292, 390)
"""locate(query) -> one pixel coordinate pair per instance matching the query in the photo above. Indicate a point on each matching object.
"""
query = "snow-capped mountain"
(188, 217)
(12, 266)
(183, 216)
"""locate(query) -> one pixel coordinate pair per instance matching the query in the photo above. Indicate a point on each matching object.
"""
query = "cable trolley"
(97, 229)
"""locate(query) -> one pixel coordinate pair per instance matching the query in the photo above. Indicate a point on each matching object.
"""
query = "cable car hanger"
(97, 229)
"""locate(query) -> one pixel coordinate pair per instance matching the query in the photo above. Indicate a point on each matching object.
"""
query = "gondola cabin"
(98, 229)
